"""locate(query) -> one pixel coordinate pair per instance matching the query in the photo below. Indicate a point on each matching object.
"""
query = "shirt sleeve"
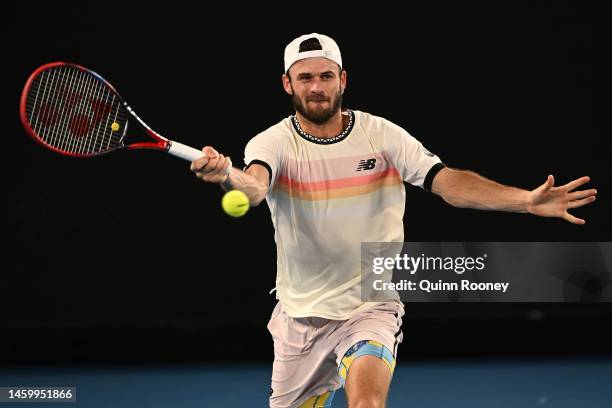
(264, 151)
(417, 165)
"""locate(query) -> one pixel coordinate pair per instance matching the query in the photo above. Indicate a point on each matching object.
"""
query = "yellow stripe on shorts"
(319, 401)
(369, 348)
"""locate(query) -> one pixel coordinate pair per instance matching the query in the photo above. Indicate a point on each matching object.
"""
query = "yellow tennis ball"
(115, 126)
(235, 203)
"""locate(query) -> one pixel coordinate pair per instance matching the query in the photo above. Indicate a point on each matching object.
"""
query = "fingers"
(569, 217)
(217, 165)
(212, 165)
(207, 162)
(582, 194)
(208, 153)
(213, 170)
(578, 198)
(218, 174)
(228, 166)
(576, 183)
(199, 164)
(580, 203)
(550, 182)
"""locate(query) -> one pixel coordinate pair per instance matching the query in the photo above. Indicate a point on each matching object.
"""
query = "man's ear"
(287, 84)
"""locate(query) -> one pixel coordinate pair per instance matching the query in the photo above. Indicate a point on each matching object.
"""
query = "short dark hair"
(310, 44)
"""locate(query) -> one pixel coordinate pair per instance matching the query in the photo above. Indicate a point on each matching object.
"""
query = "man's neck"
(333, 127)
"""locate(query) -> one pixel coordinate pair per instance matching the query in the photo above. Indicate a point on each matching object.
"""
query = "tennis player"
(333, 178)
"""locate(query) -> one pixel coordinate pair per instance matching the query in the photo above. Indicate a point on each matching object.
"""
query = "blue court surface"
(568, 382)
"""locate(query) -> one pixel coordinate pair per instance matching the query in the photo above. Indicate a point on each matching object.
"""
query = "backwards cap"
(310, 46)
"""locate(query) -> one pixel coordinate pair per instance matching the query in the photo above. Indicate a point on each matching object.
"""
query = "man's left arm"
(466, 189)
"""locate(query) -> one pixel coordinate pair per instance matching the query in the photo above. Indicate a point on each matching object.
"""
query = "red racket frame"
(161, 143)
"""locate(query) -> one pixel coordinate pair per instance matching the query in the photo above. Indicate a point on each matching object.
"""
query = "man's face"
(315, 87)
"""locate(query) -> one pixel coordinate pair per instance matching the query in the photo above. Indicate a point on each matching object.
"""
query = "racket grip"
(184, 152)
(190, 154)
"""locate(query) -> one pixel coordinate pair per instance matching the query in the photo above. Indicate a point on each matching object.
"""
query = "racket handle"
(190, 154)
(184, 152)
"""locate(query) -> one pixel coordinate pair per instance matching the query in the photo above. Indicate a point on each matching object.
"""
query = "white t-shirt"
(327, 196)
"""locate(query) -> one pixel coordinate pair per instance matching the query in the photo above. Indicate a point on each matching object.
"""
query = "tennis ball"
(115, 126)
(235, 203)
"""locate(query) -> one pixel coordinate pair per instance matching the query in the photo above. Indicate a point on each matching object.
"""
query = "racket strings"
(72, 111)
(58, 116)
(74, 131)
(77, 115)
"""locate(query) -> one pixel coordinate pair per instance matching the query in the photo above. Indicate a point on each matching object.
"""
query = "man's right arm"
(213, 167)
(254, 182)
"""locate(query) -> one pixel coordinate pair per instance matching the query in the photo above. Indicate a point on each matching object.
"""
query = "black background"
(130, 257)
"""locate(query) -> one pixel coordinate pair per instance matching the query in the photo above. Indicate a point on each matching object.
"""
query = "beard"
(317, 116)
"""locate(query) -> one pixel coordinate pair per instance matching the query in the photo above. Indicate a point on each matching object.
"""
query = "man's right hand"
(212, 166)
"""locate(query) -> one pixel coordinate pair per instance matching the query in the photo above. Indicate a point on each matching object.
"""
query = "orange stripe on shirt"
(339, 188)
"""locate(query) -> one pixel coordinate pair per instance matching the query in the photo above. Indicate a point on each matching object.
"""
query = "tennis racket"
(74, 111)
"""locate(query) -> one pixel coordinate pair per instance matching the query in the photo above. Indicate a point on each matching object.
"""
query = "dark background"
(130, 257)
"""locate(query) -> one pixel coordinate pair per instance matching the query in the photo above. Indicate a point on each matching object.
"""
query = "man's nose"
(316, 85)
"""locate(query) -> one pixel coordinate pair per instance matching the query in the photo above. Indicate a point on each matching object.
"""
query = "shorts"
(308, 350)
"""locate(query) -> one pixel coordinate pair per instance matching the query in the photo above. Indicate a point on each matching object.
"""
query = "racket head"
(73, 111)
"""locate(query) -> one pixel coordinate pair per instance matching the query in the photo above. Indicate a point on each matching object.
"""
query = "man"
(333, 178)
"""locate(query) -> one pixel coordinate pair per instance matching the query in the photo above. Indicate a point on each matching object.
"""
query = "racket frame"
(160, 143)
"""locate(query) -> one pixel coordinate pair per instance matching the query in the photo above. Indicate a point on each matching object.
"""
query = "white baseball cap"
(326, 48)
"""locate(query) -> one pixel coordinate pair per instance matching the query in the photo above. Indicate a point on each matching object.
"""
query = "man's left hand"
(550, 201)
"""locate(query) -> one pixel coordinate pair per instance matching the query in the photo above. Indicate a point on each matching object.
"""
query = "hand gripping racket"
(74, 111)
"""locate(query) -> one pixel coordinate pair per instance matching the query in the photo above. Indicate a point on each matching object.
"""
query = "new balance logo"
(368, 164)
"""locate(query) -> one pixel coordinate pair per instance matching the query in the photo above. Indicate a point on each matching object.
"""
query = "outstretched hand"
(550, 201)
